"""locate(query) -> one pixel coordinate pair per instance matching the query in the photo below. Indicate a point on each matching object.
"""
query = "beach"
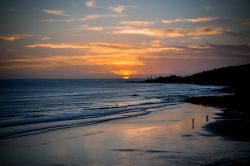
(165, 136)
(124, 83)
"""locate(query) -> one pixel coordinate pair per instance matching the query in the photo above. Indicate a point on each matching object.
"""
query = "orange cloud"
(172, 32)
(109, 49)
(140, 31)
(13, 37)
(10, 37)
(45, 38)
(190, 20)
(55, 12)
(121, 60)
(90, 46)
(118, 9)
(58, 45)
(199, 46)
(94, 17)
(86, 18)
(245, 21)
(208, 31)
(90, 3)
(137, 23)
(116, 57)
(90, 28)
(117, 65)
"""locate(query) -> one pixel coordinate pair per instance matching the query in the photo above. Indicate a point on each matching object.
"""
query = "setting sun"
(125, 74)
(125, 77)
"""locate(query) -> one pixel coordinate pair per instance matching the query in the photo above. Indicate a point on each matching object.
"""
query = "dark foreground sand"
(165, 137)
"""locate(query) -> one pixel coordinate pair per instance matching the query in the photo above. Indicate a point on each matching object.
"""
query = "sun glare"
(126, 77)
(125, 74)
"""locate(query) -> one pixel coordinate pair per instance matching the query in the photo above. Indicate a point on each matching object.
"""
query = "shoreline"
(233, 121)
(165, 136)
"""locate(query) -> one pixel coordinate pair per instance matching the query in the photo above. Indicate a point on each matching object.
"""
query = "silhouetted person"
(193, 123)
(207, 118)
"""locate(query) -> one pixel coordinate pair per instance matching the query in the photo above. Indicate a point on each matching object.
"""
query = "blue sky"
(121, 38)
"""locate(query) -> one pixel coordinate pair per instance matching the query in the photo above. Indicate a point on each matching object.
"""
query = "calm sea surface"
(37, 106)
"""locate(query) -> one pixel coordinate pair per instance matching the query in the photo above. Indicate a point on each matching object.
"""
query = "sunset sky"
(121, 38)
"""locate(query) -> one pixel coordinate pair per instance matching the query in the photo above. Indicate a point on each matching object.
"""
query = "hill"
(233, 75)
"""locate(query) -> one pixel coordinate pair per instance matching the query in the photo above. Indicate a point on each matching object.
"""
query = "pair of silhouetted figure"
(193, 121)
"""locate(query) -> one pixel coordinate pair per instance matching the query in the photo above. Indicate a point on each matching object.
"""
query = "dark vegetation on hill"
(233, 75)
(234, 120)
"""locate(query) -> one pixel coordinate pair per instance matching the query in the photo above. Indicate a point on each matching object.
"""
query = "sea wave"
(36, 108)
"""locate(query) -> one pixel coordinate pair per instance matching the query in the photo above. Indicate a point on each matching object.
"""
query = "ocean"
(36, 106)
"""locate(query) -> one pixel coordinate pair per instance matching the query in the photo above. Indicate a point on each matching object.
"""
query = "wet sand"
(234, 119)
(166, 136)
